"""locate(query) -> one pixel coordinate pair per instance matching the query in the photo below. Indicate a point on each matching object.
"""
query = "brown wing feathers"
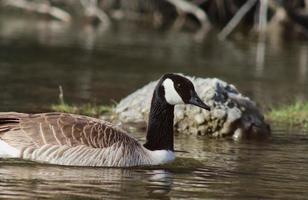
(6, 123)
(59, 129)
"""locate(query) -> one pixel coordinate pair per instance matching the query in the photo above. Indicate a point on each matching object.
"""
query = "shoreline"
(294, 115)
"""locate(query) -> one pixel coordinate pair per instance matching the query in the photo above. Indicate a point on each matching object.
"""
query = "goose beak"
(195, 100)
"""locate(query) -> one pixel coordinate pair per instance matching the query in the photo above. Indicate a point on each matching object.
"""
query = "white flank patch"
(171, 95)
(7, 151)
(161, 156)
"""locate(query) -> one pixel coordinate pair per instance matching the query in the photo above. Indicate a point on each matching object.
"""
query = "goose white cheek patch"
(171, 95)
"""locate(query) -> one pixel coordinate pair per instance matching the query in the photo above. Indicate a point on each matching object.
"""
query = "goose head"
(179, 90)
(171, 90)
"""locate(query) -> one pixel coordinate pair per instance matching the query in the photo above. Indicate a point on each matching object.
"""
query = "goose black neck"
(160, 125)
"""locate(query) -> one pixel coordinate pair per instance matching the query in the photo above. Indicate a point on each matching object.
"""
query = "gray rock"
(232, 114)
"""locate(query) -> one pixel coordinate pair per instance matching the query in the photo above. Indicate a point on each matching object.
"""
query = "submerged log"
(232, 114)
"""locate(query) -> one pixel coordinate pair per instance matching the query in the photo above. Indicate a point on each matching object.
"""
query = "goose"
(75, 140)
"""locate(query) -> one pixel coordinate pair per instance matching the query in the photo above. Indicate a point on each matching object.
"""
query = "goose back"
(69, 139)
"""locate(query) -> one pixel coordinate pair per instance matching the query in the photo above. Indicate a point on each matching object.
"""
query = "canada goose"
(69, 139)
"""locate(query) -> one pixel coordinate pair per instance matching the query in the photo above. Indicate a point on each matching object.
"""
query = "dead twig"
(263, 16)
(187, 7)
(92, 10)
(42, 8)
(236, 19)
(61, 95)
(262, 26)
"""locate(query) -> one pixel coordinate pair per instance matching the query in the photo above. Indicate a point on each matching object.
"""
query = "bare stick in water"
(92, 9)
(191, 8)
(42, 8)
(236, 19)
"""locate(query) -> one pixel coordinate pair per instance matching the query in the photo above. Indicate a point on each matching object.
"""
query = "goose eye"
(178, 85)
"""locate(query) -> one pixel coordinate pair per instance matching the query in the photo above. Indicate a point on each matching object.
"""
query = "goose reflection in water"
(159, 184)
(46, 181)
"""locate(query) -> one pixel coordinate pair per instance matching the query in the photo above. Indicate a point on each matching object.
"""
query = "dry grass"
(87, 109)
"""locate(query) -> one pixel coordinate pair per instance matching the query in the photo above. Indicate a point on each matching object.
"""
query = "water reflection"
(215, 169)
(160, 184)
(98, 65)
(19, 179)
(260, 57)
(303, 64)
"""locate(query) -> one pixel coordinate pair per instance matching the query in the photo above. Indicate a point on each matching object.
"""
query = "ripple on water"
(225, 170)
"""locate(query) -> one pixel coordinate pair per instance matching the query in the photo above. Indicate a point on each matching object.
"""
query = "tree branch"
(191, 8)
(92, 9)
(42, 8)
(236, 19)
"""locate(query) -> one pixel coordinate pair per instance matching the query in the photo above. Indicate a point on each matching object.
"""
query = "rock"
(232, 114)
(199, 118)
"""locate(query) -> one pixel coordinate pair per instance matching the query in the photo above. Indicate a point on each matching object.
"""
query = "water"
(92, 65)
(211, 169)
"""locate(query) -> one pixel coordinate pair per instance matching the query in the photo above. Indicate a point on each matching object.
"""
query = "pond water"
(97, 66)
